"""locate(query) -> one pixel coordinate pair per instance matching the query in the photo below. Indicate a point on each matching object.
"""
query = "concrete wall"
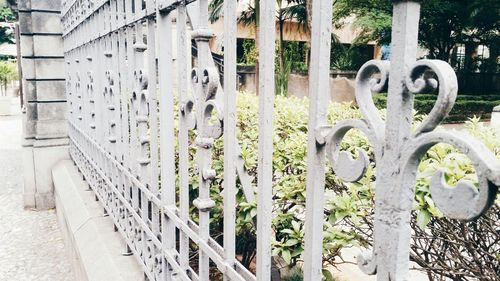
(341, 84)
(45, 128)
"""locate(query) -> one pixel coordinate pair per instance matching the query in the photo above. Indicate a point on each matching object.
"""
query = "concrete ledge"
(95, 248)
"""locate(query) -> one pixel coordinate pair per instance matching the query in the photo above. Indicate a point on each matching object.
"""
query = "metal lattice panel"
(122, 84)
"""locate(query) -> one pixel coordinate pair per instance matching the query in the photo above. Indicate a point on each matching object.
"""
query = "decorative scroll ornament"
(91, 98)
(109, 97)
(464, 202)
(205, 84)
(398, 151)
(140, 101)
(209, 103)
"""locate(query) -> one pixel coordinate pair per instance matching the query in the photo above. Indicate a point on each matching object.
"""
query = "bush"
(465, 106)
(8, 72)
(289, 177)
(348, 210)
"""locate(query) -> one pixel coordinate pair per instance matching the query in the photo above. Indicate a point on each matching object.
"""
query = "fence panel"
(133, 109)
(397, 148)
(124, 104)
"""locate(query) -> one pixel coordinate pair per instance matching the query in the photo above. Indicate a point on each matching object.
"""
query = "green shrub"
(289, 165)
(465, 107)
(349, 207)
(8, 72)
(250, 53)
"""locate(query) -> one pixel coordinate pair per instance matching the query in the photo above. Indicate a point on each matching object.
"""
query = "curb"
(95, 248)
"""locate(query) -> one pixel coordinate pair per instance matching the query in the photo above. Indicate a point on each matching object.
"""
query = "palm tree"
(286, 11)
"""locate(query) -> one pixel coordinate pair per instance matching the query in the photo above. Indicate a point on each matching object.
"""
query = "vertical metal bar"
(230, 142)
(129, 84)
(203, 155)
(98, 66)
(137, 8)
(267, 37)
(124, 94)
(105, 58)
(132, 104)
(183, 62)
(153, 126)
(142, 122)
(153, 117)
(392, 240)
(318, 98)
(167, 134)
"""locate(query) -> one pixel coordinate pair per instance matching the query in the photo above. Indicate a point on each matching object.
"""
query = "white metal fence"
(120, 89)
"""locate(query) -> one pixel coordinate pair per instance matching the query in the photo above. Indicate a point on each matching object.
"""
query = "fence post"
(267, 37)
(318, 106)
(43, 78)
(230, 141)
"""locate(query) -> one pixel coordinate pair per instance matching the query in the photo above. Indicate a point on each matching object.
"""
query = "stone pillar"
(45, 128)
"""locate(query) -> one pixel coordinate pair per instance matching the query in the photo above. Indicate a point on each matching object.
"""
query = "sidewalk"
(31, 243)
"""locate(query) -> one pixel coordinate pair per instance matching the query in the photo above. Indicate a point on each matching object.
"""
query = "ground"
(31, 243)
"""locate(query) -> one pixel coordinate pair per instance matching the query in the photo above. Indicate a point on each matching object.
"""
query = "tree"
(443, 25)
(8, 72)
(6, 30)
(286, 11)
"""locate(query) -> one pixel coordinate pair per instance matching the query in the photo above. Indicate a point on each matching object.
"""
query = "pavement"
(31, 243)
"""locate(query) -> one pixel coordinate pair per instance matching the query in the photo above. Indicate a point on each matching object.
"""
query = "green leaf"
(423, 218)
(327, 275)
(285, 254)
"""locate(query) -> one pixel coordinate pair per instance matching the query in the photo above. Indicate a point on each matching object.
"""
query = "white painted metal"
(183, 64)
(397, 151)
(122, 125)
(320, 79)
(122, 129)
(167, 134)
(230, 141)
(267, 38)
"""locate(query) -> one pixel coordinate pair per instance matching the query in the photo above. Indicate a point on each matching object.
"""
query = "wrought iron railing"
(121, 85)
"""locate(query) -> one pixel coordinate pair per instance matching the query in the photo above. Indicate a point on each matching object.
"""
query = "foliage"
(349, 57)
(8, 72)
(286, 11)
(294, 60)
(348, 210)
(473, 245)
(6, 32)
(373, 17)
(6, 14)
(283, 71)
(465, 106)
(471, 248)
(250, 52)
(297, 52)
(343, 57)
(295, 275)
(289, 178)
(344, 60)
(443, 25)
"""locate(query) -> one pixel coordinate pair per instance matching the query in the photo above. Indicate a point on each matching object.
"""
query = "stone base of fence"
(39, 157)
(97, 251)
